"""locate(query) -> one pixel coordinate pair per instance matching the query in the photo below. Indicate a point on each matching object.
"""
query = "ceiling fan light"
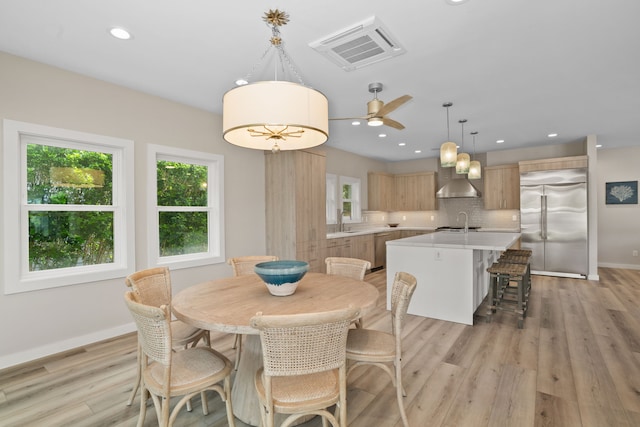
(448, 154)
(375, 121)
(462, 163)
(475, 170)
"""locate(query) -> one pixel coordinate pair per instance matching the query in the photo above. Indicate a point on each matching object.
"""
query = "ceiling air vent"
(363, 44)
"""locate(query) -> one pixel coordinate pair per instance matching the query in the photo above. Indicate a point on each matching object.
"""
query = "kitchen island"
(451, 268)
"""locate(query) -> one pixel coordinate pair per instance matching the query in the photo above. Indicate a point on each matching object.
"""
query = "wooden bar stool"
(519, 252)
(501, 274)
(519, 256)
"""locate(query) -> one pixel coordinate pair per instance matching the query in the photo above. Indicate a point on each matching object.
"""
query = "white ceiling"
(515, 69)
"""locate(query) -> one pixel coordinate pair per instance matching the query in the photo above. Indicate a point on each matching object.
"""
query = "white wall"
(618, 225)
(37, 323)
(348, 164)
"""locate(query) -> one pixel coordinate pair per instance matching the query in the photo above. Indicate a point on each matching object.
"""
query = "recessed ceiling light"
(120, 33)
(402, 144)
(552, 135)
(241, 82)
(500, 141)
(355, 123)
(382, 135)
(418, 151)
(456, 2)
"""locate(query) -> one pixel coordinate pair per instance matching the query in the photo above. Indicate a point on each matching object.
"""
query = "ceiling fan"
(377, 110)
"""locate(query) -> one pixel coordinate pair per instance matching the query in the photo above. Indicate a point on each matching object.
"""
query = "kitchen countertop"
(374, 230)
(496, 241)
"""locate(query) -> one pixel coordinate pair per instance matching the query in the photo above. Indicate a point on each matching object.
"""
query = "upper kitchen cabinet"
(502, 187)
(295, 206)
(380, 191)
(574, 162)
(415, 192)
(402, 192)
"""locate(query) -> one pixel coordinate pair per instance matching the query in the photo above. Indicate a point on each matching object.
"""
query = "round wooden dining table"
(228, 304)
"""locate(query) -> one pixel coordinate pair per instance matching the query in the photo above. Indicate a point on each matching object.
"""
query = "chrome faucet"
(340, 223)
(466, 220)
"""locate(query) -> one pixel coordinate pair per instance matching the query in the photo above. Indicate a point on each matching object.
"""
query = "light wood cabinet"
(502, 187)
(380, 191)
(402, 192)
(363, 248)
(574, 162)
(360, 247)
(415, 192)
(295, 206)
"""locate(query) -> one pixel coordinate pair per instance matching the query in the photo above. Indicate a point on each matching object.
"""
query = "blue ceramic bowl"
(281, 277)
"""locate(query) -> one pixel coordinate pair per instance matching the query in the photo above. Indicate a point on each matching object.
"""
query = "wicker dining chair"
(382, 349)
(349, 267)
(153, 287)
(168, 373)
(242, 266)
(304, 369)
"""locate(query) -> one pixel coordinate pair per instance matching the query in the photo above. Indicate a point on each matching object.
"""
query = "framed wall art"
(622, 193)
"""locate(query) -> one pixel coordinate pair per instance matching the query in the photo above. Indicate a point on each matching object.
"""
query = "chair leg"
(238, 346)
(164, 418)
(136, 385)
(227, 394)
(205, 403)
(400, 393)
(144, 396)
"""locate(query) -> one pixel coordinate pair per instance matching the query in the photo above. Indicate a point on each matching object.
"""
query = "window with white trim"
(68, 211)
(350, 199)
(186, 197)
(332, 203)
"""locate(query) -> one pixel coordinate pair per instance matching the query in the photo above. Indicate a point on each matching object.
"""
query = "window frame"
(215, 208)
(17, 277)
(356, 210)
(332, 198)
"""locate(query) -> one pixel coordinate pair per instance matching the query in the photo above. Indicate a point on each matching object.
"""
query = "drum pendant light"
(448, 150)
(463, 159)
(275, 115)
(475, 169)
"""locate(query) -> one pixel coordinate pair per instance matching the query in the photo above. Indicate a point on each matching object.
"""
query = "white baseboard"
(60, 346)
(625, 266)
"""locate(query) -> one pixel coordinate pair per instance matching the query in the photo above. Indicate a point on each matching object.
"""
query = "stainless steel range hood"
(458, 188)
(455, 186)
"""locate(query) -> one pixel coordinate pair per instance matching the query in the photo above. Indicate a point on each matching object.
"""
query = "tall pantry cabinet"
(295, 206)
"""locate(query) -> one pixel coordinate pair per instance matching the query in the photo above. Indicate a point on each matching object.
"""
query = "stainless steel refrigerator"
(553, 217)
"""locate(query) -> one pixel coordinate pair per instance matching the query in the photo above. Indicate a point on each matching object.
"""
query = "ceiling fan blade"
(350, 118)
(392, 123)
(390, 106)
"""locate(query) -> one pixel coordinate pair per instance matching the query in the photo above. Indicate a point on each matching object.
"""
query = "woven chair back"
(302, 344)
(151, 286)
(154, 328)
(404, 284)
(349, 267)
(244, 265)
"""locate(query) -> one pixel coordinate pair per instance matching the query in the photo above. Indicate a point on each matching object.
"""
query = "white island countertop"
(492, 241)
(451, 268)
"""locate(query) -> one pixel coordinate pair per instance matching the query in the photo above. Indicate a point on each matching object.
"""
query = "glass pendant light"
(448, 150)
(463, 159)
(475, 169)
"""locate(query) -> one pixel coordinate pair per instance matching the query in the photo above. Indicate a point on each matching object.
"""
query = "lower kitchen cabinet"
(360, 247)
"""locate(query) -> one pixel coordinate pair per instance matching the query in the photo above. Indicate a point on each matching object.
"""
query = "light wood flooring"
(575, 363)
